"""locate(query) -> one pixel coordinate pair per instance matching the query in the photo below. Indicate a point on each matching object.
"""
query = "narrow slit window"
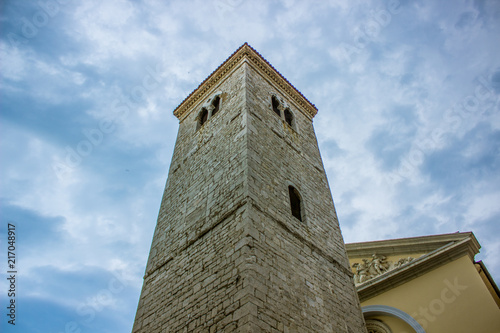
(288, 117)
(295, 202)
(276, 104)
(215, 104)
(203, 116)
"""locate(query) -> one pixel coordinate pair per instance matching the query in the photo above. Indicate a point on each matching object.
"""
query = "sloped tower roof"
(249, 54)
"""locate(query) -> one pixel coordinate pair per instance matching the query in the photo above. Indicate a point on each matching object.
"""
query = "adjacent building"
(425, 284)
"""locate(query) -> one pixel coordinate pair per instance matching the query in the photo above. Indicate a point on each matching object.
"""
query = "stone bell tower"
(247, 238)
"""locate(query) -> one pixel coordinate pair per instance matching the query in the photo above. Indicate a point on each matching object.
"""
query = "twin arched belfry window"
(279, 107)
(208, 111)
(276, 105)
(215, 104)
(203, 117)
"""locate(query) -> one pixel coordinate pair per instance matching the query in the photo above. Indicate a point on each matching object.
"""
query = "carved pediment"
(403, 259)
(375, 266)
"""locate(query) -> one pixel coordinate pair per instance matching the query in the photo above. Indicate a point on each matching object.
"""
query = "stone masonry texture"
(227, 253)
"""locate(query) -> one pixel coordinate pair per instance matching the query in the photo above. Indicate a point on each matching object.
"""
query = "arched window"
(215, 104)
(202, 117)
(276, 103)
(295, 202)
(288, 117)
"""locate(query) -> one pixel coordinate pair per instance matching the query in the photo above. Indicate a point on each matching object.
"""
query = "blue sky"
(408, 94)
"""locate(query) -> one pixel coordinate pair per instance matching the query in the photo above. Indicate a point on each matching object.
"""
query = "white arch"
(385, 310)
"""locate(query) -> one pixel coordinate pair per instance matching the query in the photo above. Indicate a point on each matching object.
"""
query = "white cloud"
(14, 65)
(482, 207)
(108, 202)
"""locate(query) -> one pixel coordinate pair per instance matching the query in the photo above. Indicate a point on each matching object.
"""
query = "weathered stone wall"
(206, 177)
(295, 287)
(227, 255)
(192, 274)
(197, 291)
(279, 156)
(301, 278)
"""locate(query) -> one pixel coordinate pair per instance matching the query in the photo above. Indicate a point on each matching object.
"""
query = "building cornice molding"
(256, 59)
(467, 246)
(409, 245)
(488, 281)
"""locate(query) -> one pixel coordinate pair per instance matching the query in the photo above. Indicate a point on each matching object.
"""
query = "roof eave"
(245, 51)
(467, 246)
(408, 245)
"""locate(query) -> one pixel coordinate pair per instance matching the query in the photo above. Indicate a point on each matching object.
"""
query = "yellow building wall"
(451, 298)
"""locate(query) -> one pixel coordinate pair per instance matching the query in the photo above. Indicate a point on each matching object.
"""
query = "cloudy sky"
(408, 94)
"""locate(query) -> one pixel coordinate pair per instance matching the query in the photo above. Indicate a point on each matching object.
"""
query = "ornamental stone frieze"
(376, 266)
(377, 326)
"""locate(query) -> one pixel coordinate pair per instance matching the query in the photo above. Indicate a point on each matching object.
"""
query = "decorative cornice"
(488, 281)
(466, 246)
(256, 59)
(411, 245)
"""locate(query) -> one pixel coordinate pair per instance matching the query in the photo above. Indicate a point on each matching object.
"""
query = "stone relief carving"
(376, 266)
(376, 326)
